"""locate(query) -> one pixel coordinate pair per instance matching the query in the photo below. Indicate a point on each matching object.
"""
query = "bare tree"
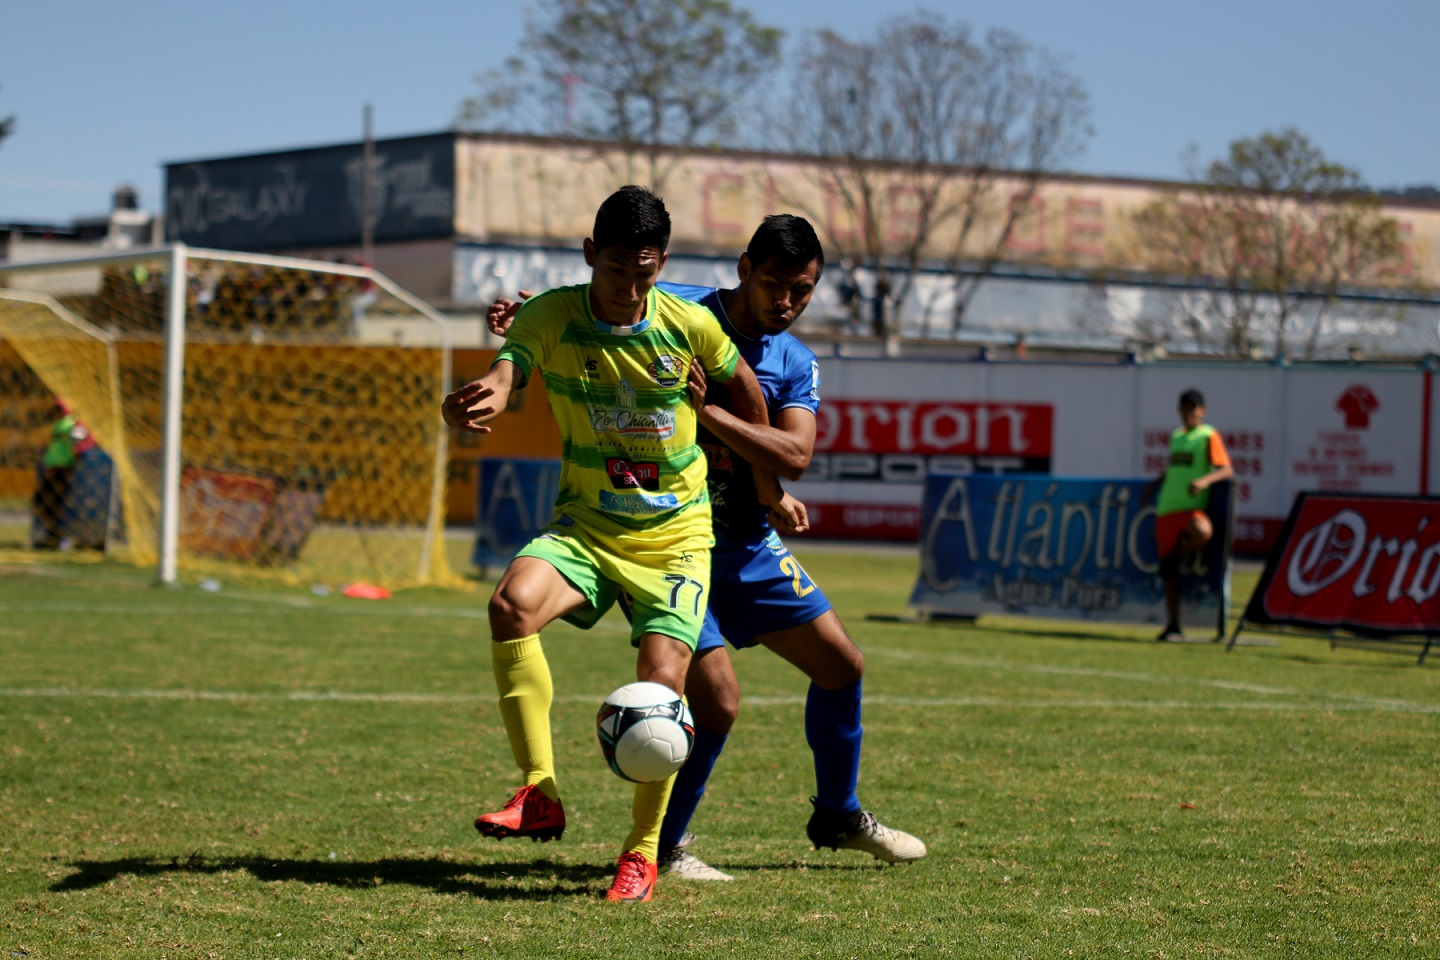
(1272, 225)
(646, 73)
(923, 127)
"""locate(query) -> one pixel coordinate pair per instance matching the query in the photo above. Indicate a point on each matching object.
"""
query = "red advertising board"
(1369, 564)
(223, 514)
(863, 447)
(917, 427)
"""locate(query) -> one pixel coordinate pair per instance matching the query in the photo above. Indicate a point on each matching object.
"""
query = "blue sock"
(690, 786)
(832, 728)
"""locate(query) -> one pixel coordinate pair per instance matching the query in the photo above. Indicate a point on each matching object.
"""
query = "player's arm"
(474, 405)
(784, 449)
(790, 516)
(1220, 460)
(742, 394)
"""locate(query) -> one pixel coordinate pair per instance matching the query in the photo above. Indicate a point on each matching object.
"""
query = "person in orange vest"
(69, 438)
(1197, 462)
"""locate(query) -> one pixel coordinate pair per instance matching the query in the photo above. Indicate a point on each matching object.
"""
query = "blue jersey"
(789, 377)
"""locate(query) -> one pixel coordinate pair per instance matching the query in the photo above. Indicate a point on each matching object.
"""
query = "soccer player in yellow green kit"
(632, 512)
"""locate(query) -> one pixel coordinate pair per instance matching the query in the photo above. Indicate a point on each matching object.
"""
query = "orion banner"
(1370, 564)
(1060, 547)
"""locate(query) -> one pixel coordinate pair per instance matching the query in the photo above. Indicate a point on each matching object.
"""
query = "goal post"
(266, 416)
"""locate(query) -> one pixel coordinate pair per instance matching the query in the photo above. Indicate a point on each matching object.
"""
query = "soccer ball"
(645, 731)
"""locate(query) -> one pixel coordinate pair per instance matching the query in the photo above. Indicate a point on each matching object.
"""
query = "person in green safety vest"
(1197, 462)
(69, 438)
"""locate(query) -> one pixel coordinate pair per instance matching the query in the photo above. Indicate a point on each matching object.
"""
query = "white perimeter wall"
(1350, 428)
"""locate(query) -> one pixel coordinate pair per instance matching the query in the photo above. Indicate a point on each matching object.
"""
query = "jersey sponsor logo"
(638, 504)
(718, 458)
(666, 370)
(1181, 458)
(773, 544)
(628, 474)
(636, 424)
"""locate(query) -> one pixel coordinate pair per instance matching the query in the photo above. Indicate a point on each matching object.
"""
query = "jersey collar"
(625, 331)
(728, 325)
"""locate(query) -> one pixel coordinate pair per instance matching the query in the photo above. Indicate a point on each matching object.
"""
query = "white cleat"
(861, 831)
(682, 865)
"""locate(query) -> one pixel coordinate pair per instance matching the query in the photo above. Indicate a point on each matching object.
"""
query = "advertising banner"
(223, 514)
(236, 516)
(314, 197)
(516, 498)
(1364, 563)
(1061, 547)
(867, 449)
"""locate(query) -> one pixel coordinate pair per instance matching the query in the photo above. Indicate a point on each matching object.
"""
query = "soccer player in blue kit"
(759, 592)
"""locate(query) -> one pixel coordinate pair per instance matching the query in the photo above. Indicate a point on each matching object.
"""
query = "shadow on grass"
(806, 865)
(540, 880)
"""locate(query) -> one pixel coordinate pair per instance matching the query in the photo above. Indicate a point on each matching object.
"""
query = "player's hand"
(697, 384)
(502, 313)
(1195, 487)
(464, 407)
(789, 516)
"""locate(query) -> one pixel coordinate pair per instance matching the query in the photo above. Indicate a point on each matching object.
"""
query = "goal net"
(310, 443)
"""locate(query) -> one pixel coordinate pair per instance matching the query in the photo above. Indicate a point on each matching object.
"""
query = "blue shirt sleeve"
(801, 385)
(686, 291)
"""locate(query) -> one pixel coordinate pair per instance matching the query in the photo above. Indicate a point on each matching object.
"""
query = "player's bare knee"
(662, 674)
(662, 659)
(852, 666)
(713, 710)
(509, 611)
(844, 667)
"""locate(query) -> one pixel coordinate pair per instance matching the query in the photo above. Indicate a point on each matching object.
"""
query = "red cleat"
(634, 879)
(528, 814)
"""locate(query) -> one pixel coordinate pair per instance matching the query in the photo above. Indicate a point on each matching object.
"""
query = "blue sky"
(104, 93)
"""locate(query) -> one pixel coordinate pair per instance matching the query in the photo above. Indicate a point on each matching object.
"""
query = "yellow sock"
(648, 812)
(522, 675)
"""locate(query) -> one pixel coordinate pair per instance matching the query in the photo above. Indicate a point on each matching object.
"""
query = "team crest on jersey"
(666, 370)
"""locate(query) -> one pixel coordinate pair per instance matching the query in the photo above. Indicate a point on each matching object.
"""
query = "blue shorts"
(757, 588)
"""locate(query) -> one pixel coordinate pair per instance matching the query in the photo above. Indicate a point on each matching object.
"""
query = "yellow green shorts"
(667, 583)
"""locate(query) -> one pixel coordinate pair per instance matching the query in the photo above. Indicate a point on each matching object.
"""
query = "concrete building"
(460, 218)
(126, 226)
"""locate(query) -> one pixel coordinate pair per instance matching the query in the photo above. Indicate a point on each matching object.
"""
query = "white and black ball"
(645, 731)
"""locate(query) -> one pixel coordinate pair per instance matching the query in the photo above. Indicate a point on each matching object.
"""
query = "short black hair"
(1192, 398)
(786, 238)
(634, 218)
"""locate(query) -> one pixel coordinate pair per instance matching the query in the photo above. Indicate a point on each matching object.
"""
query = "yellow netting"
(311, 437)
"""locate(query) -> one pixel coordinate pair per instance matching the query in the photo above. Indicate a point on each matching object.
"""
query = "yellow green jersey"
(629, 463)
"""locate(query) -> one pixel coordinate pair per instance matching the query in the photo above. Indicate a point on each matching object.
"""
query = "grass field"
(264, 773)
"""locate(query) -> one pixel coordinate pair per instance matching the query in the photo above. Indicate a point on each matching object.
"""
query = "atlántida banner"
(1061, 547)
